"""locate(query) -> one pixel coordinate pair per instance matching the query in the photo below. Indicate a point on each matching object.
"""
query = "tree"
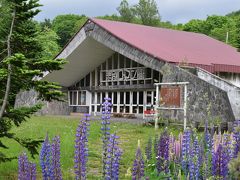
(238, 33)
(20, 64)
(195, 25)
(48, 41)
(64, 25)
(147, 11)
(227, 29)
(47, 23)
(215, 21)
(126, 12)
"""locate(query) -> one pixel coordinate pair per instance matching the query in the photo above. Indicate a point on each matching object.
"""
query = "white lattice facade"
(127, 83)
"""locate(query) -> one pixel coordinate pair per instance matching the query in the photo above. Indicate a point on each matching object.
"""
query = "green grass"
(65, 127)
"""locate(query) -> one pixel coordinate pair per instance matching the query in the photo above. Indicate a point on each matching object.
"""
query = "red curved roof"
(176, 46)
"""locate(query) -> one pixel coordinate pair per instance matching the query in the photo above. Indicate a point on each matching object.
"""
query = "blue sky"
(176, 11)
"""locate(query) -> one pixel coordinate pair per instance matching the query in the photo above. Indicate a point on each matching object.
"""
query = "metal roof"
(176, 46)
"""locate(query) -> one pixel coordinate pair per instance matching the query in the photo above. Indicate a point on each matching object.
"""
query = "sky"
(175, 11)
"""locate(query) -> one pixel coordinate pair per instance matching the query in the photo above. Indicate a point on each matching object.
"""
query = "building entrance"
(125, 101)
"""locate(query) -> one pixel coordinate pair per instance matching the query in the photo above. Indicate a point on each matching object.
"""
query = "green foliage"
(64, 26)
(48, 41)
(220, 33)
(195, 25)
(28, 56)
(113, 17)
(234, 14)
(234, 167)
(237, 41)
(126, 12)
(217, 27)
(46, 24)
(147, 11)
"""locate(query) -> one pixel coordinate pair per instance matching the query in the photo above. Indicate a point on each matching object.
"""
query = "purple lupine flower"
(32, 174)
(113, 158)
(81, 149)
(45, 159)
(207, 155)
(177, 150)
(56, 166)
(163, 153)
(236, 137)
(26, 169)
(227, 153)
(138, 165)
(23, 167)
(148, 149)
(106, 111)
(219, 165)
(186, 140)
(194, 160)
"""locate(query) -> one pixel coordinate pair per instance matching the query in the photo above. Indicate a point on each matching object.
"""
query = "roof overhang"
(83, 54)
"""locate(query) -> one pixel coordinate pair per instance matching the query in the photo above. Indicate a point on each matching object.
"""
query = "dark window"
(74, 98)
(127, 97)
(128, 63)
(121, 61)
(93, 78)
(110, 63)
(140, 97)
(82, 82)
(121, 97)
(88, 80)
(134, 97)
(115, 98)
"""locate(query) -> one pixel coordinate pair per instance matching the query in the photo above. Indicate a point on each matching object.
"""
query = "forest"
(224, 28)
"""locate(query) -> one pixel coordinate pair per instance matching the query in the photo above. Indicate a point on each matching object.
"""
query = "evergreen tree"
(20, 64)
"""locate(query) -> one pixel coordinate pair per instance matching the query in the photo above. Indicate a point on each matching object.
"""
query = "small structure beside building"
(123, 61)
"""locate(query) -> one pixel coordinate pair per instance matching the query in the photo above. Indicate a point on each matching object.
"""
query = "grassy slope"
(65, 127)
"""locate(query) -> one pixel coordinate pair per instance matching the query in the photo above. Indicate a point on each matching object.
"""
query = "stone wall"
(29, 98)
(205, 101)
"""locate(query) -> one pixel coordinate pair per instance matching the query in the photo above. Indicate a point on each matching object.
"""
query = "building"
(123, 61)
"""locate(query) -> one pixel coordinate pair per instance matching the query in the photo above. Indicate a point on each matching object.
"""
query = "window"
(77, 98)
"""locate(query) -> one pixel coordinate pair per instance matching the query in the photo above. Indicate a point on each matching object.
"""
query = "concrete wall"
(29, 98)
(232, 90)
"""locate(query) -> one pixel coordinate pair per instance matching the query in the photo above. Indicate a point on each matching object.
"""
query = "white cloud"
(176, 11)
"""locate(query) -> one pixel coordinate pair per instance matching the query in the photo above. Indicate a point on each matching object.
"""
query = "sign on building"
(125, 74)
(170, 96)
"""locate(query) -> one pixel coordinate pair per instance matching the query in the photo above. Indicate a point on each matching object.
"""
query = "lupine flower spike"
(194, 160)
(26, 169)
(163, 153)
(45, 159)
(113, 158)
(186, 140)
(148, 149)
(56, 166)
(106, 111)
(81, 148)
(138, 165)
